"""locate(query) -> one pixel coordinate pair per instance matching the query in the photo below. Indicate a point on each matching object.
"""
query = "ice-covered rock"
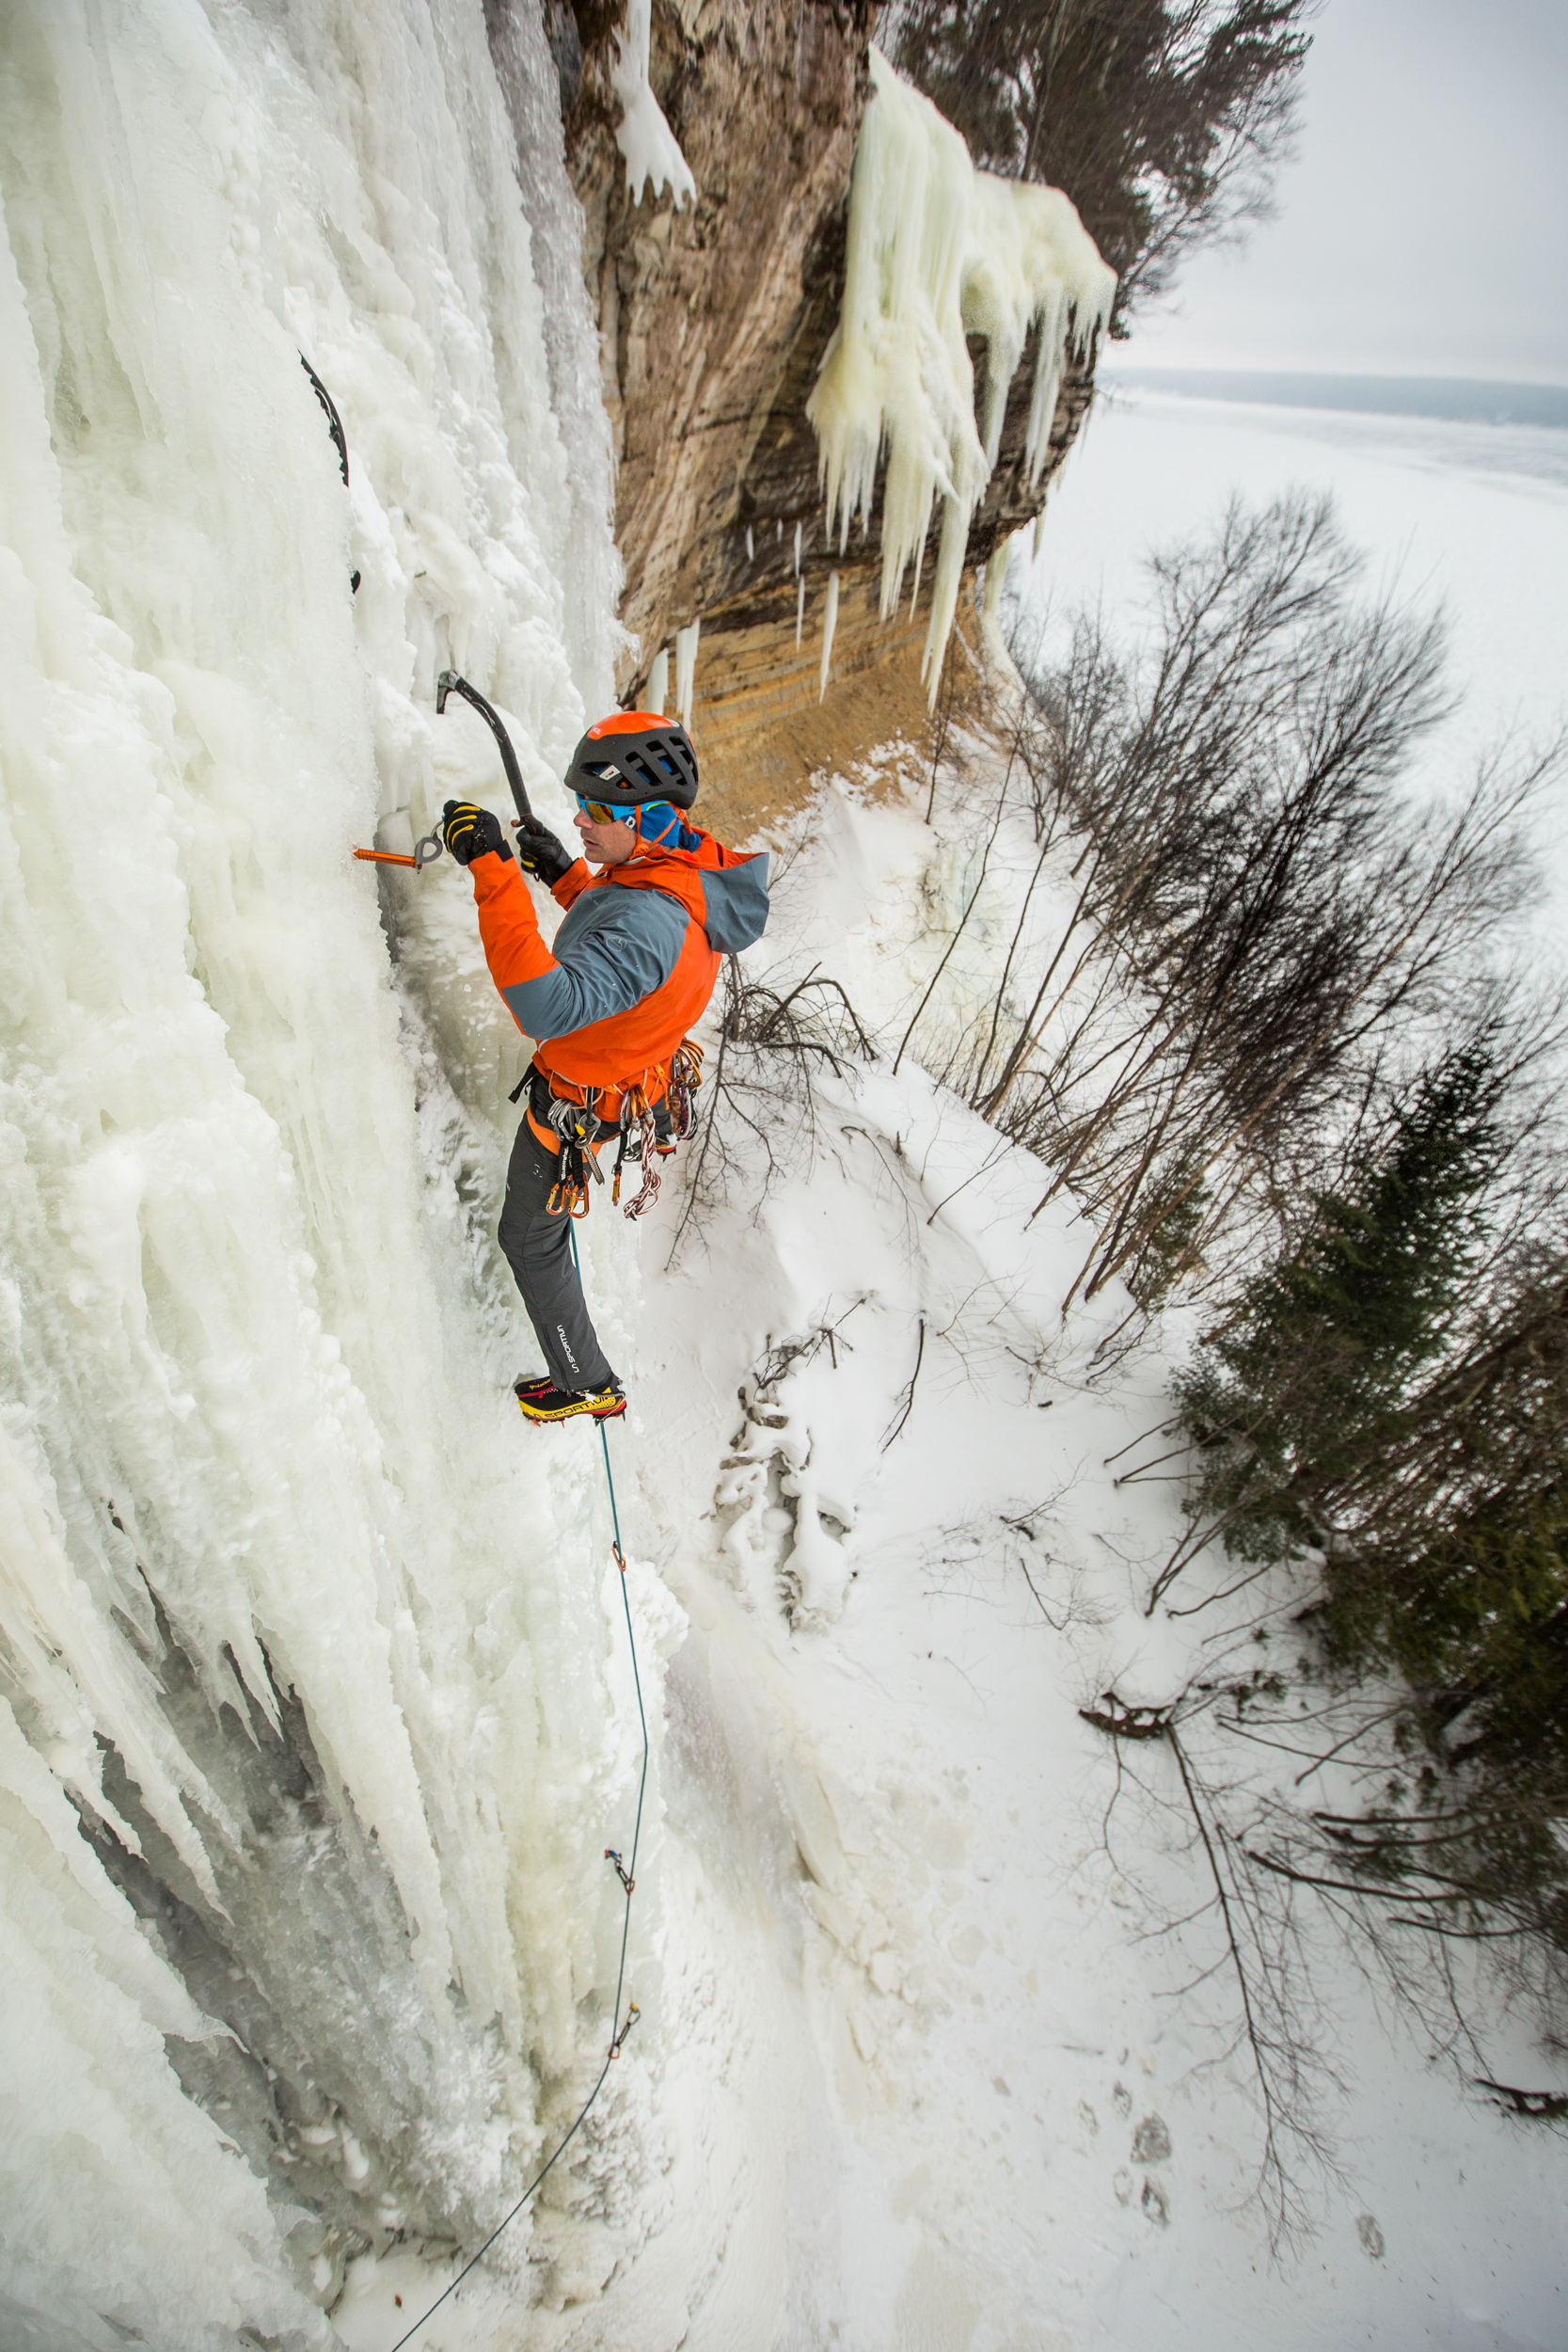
(938, 252)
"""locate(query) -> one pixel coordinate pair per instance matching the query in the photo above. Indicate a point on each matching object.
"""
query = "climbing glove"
(469, 831)
(539, 853)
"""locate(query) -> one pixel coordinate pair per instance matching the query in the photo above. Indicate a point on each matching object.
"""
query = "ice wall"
(937, 252)
(312, 1648)
(590, 583)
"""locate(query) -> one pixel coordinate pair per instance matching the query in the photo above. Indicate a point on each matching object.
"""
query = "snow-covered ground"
(328, 1646)
(920, 2068)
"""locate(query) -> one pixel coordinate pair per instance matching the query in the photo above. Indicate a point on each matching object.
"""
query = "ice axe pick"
(427, 850)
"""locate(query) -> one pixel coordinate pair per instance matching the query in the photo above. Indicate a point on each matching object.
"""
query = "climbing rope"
(625, 1870)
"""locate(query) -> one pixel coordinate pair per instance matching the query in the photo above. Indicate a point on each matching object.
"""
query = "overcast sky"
(1423, 228)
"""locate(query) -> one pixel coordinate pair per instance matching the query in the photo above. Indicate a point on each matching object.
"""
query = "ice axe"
(428, 849)
(449, 683)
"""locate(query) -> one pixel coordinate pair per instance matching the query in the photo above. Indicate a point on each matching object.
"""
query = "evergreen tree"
(1366, 1398)
(1295, 1396)
(1459, 1573)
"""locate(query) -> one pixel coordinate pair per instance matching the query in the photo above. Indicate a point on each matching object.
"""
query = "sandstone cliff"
(713, 320)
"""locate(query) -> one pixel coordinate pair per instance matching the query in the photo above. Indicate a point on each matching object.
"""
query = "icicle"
(750, 546)
(937, 252)
(799, 609)
(778, 533)
(829, 622)
(686, 668)
(946, 582)
(994, 579)
(658, 680)
(797, 550)
(644, 137)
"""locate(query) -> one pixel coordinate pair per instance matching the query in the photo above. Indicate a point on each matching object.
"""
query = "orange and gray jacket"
(632, 967)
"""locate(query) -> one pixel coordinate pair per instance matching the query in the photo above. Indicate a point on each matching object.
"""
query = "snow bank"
(938, 251)
(1023, 2113)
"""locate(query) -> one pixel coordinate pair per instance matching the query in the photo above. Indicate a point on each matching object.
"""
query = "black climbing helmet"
(633, 756)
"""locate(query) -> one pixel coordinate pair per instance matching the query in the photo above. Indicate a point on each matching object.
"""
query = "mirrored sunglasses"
(656, 820)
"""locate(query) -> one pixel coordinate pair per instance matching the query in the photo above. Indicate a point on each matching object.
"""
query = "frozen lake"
(1471, 516)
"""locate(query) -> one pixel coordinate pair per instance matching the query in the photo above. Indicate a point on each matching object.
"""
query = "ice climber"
(630, 971)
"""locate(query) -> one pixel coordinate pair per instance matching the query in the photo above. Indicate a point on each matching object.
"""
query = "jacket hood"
(729, 900)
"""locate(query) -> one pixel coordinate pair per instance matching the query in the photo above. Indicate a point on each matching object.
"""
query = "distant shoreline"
(1456, 399)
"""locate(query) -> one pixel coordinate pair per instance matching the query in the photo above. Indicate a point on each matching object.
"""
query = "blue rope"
(628, 1881)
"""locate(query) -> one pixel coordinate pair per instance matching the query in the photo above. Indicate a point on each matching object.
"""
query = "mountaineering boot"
(541, 1400)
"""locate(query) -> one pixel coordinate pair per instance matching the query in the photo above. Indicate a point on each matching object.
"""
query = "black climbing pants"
(538, 1248)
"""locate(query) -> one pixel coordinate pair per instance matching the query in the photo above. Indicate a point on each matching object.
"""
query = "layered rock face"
(713, 321)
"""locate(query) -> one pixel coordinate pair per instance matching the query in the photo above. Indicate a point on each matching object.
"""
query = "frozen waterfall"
(938, 251)
(311, 1726)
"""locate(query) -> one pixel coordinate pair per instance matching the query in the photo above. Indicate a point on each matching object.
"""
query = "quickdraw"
(573, 1122)
(635, 1106)
(649, 1132)
(685, 1076)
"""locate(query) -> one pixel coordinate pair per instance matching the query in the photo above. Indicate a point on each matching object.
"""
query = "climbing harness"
(625, 1872)
(648, 1131)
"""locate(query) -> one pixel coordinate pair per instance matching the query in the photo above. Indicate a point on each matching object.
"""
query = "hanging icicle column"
(645, 138)
(686, 668)
(938, 251)
(829, 622)
(658, 681)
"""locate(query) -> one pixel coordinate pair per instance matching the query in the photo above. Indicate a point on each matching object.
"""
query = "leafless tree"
(1262, 925)
(758, 1087)
(1400, 1882)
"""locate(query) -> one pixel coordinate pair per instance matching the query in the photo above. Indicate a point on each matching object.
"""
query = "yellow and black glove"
(469, 831)
(539, 853)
